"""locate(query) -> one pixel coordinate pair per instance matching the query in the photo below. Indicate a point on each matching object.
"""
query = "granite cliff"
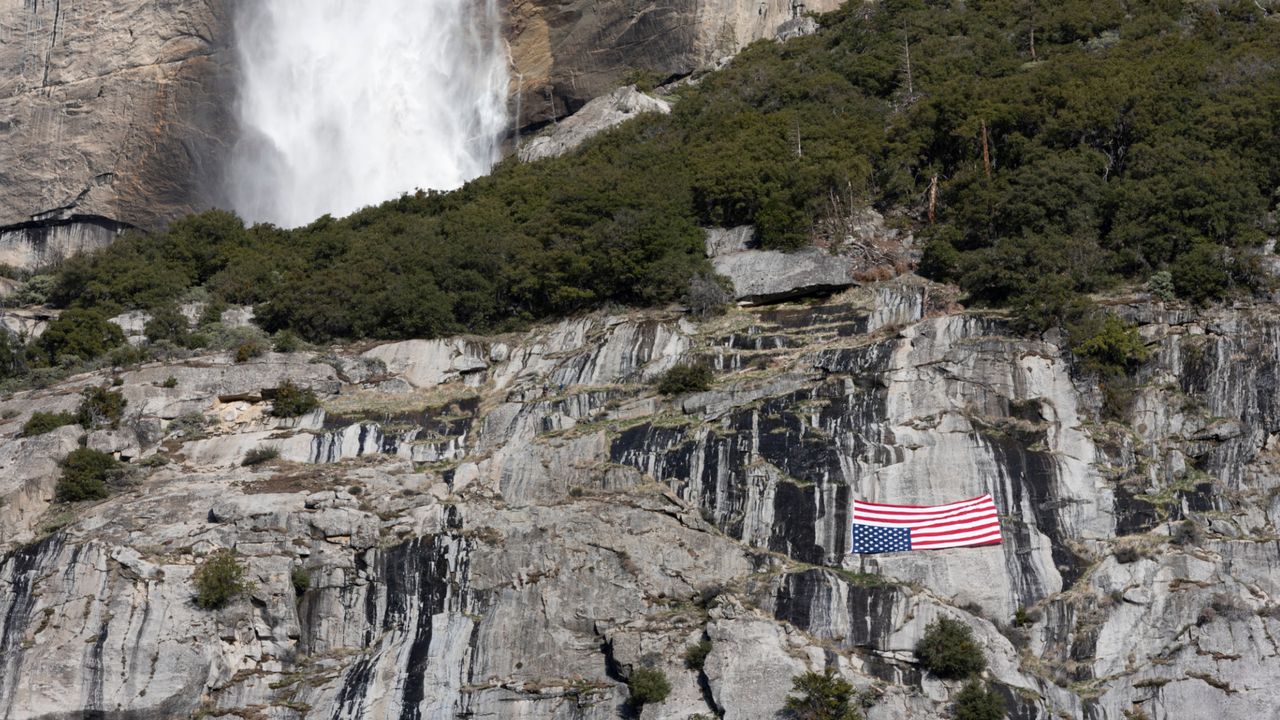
(509, 526)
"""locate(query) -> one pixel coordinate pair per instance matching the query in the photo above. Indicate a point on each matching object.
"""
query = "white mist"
(348, 103)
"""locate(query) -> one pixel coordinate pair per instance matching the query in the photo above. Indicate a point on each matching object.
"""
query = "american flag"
(878, 527)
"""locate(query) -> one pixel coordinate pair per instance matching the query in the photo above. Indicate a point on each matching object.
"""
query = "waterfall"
(348, 103)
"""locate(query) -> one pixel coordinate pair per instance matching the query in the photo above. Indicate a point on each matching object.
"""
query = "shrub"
(1160, 285)
(219, 579)
(1186, 533)
(293, 401)
(300, 578)
(1126, 554)
(259, 455)
(948, 650)
(248, 350)
(85, 474)
(1107, 344)
(707, 295)
(695, 656)
(820, 696)
(286, 342)
(974, 702)
(685, 378)
(100, 406)
(189, 425)
(167, 323)
(170, 382)
(155, 461)
(34, 291)
(79, 334)
(648, 685)
(42, 422)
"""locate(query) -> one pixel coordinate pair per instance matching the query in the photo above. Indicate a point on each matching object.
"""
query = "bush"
(293, 401)
(287, 342)
(169, 382)
(85, 474)
(1186, 533)
(100, 406)
(34, 291)
(948, 650)
(189, 425)
(248, 350)
(974, 702)
(685, 378)
(219, 579)
(1107, 344)
(695, 656)
(708, 295)
(301, 579)
(648, 685)
(42, 422)
(79, 334)
(821, 696)
(167, 323)
(259, 455)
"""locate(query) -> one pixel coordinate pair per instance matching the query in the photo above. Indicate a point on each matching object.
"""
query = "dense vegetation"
(219, 579)
(820, 696)
(1073, 145)
(647, 685)
(948, 650)
(86, 475)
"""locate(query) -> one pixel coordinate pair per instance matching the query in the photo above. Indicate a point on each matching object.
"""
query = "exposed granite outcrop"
(508, 527)
(565, 54)
(596, 116)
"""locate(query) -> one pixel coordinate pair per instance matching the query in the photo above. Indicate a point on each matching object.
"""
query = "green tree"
(167, 323)
(85, 474)
(648, 686)
(684, 379)
(42, 422)
(948, 650)
(79, 334)
(821, 696)
(293, 401)
(975, 702)
(100, 406)
(219, 579)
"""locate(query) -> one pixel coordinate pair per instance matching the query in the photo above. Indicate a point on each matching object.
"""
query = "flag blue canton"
(876, 539)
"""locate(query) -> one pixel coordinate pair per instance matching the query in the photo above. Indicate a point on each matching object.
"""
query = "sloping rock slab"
(765, 276)
(598, 115)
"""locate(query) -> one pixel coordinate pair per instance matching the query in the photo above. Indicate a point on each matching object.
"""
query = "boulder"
(596, 116)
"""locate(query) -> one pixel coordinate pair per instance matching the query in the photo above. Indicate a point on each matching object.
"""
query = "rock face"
(109, 109)
(764, 276)
(600, 114)
(566, 53)
(508, 527)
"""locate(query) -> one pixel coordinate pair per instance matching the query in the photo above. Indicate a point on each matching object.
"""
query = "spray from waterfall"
(348, 103)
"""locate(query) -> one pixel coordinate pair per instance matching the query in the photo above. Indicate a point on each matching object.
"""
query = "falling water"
(347, 103)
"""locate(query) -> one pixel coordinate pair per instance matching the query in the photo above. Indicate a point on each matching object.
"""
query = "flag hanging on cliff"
(881, 528)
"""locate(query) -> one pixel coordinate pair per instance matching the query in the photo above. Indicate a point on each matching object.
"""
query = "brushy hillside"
(1074, 145)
